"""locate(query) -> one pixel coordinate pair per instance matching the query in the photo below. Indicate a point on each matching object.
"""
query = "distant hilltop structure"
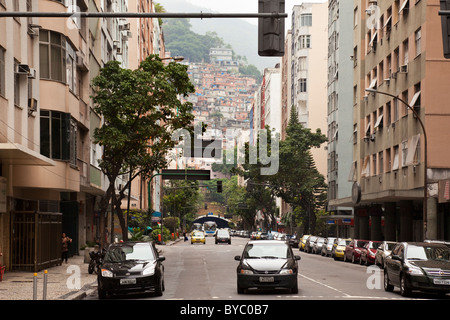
(223, 57)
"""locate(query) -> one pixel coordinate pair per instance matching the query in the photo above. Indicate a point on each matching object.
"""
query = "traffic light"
(445, 22)
(219, 186)
(271, 30)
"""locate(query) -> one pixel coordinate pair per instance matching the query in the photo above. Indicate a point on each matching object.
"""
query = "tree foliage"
(298, 182)
(140, 111)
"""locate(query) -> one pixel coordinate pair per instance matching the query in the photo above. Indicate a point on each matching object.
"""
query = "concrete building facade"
(398, 54)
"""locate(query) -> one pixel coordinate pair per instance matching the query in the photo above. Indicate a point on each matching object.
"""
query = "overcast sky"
(243, 6)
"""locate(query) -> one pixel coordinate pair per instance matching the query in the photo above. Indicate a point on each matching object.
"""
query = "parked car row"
(423, 266)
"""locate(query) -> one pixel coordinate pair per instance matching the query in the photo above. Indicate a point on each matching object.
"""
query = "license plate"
(127, 281)
(439, 281)
(266, 279)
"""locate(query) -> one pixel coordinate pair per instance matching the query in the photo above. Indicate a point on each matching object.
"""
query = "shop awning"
(16, 154)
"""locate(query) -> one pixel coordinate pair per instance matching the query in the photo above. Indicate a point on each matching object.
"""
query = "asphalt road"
(208, 272)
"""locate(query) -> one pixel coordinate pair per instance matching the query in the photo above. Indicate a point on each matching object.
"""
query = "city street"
(208, 272)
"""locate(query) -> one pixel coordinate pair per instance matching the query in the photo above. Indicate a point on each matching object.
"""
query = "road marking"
(325, 285)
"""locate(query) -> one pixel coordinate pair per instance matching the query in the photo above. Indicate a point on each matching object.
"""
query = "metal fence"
(36, 240)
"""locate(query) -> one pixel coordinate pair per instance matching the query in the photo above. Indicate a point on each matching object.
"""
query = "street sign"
(183, 174)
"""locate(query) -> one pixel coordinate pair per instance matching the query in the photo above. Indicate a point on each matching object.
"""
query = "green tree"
(133, 105)
(298, 182)
(260, 195)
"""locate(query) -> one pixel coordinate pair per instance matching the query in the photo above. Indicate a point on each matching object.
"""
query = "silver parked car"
(383, 251)
(327, 246)
(317, 245)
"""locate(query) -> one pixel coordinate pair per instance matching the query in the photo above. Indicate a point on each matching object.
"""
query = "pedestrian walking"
(65, 247)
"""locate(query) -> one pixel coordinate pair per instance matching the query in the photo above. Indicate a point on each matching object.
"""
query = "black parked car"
(131, 267)
(418, 266)
(267, 264)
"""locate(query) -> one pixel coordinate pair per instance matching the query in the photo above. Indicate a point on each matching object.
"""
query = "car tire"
(101, 293)
(159, 289)
(387, 286)
(294, 289)
(240, 290)
(405, 290)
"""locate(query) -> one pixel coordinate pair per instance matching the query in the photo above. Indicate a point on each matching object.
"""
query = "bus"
(209, 227)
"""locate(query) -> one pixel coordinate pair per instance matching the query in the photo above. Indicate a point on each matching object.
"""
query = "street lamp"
(425, 180)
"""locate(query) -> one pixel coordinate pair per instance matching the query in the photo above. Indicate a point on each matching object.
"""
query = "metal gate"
(36, 240)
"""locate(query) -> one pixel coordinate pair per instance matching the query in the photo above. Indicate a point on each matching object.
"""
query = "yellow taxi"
(198, 237)
(339, 248)
(303, 242)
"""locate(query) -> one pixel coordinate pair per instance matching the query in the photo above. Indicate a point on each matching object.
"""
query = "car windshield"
(374, 245)
(222, 233)
(198, 234)
(428, 253)
(134, 252)
(391, 246)
(343, 242)
(267, 251)
(360, 244)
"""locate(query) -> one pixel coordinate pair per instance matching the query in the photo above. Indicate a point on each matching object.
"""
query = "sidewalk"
(18, 285)
(61, 281)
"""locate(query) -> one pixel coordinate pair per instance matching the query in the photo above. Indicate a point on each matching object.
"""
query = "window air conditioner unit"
(125, 26)
(32, 106)
(388, 81)
(404, 68)
(23, 69)
(81, 61)
(32, 74)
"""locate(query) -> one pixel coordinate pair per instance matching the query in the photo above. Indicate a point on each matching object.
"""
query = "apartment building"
(398, 55)
(309, 70)
(340, 113)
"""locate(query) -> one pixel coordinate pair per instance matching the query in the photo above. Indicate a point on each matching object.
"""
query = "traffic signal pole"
(201, 15)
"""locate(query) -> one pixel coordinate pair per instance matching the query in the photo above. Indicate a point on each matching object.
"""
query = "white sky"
(244, 6)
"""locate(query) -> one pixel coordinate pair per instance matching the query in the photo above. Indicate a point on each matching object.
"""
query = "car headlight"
(412, 270)
(246, 271)
(286, 271)
(107, 273)
(149, 271)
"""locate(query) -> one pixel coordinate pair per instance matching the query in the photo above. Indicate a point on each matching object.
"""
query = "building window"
(405, 52)
(418, 39)
(306, 20)
(302, 85)
(52, 51)
(71, 66)
(16, 84)
(305, 42)
(58, 136)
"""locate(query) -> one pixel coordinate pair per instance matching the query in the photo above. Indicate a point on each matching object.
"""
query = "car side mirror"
(396, 257)
(237, 258)
(297, 258)
(161, 258)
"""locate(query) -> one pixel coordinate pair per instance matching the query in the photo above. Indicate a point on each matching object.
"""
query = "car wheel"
(101, 293)
(405, 290)
(159, 288)
(294, 289)
(387, 286)
(240, 290)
